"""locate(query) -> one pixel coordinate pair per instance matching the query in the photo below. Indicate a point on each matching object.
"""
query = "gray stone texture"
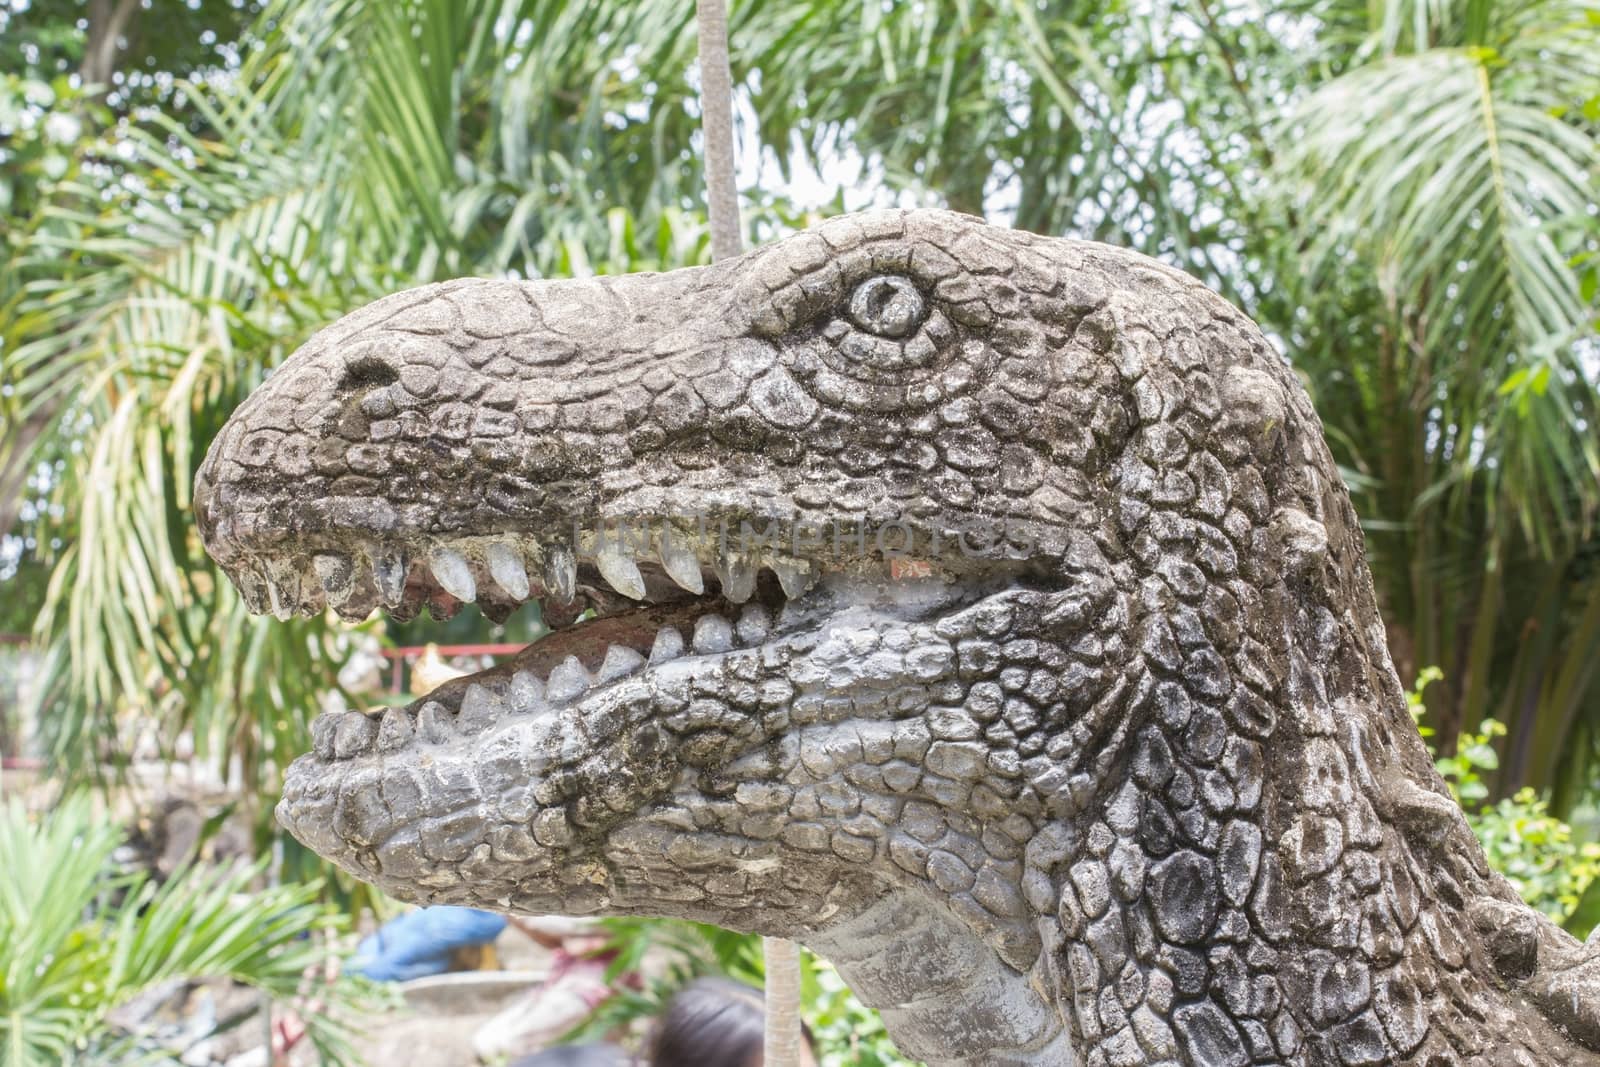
(1136, 785)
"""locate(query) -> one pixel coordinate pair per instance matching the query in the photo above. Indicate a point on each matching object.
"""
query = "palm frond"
(1456, 174)
(77, 939)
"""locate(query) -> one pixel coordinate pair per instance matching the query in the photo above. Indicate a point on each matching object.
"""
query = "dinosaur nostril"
(367, 371)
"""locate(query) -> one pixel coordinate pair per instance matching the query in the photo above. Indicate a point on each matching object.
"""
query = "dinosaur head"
(444, 443)
(981, 608)
(738, 477)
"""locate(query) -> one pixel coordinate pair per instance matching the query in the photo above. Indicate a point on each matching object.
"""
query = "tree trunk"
(716, 110)
(16, 449)
(782, 1045)
(108, 28)
(783, 1040)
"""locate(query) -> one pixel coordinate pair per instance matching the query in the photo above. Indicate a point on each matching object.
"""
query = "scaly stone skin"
(1138, 786)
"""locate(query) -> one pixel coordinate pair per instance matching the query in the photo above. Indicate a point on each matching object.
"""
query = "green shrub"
(78, 938)
(1537, 852)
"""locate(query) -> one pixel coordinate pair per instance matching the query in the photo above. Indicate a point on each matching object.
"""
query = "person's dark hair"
(577, 1056)
(712, 1022)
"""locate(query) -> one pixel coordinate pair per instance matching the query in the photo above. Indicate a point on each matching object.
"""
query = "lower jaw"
(352, 749)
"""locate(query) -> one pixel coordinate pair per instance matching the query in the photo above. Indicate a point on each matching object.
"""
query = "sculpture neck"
(945, 995)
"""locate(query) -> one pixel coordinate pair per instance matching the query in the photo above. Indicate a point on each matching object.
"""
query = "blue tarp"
(419, 942)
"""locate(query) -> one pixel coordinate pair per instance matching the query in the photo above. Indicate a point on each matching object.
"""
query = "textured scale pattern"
(1139, 786)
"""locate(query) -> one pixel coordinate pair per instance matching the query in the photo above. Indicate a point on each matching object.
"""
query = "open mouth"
(613, 607)
(632, 694)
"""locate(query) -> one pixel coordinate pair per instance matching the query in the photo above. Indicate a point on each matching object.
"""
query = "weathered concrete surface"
(1126, 777)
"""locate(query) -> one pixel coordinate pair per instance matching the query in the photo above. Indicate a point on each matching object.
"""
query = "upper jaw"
(653, 561)
(569, 566)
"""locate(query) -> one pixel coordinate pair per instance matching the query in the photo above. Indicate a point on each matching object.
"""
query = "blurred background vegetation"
(1402, 192)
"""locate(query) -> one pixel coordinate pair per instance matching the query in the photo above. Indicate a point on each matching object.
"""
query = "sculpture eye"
(888, 305)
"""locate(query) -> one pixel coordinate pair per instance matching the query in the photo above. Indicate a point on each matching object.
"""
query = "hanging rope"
(782, 1046)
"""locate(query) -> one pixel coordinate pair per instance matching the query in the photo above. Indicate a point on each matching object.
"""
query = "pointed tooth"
(793, 575)
(389, 574)
(282, 609)
(252, 589)
(313, 598)
(620, 660)
(336, 573)
(395, 731)
(712, 633)
(668, 646)
(433, 723)
(754, 624)
(618, 569)
(737, 572)
(561, 573)
(481, 708)
(681, 564)
(527, 692)
(567, 681)
(453, 573)
(570, 746)
(359, 604)
(283, 588)
(322, 731)
(542, 736)
(505, 567)
(354, 735)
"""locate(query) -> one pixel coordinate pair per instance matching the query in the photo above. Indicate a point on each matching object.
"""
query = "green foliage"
(77, 939)
(845, 1031)
(49, 39)
(24, 592)
(1441, 305)
(1537, 852)
(1400, 193)
(40, 127)
(151, 296)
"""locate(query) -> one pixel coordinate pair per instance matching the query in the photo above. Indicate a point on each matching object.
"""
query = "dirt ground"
(436, 1026)
(422, 1040)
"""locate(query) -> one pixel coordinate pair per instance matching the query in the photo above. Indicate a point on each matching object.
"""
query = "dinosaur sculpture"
(983, 610)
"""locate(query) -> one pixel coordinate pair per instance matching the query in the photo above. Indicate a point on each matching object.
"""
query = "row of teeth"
(347, 734)
(499, 569)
